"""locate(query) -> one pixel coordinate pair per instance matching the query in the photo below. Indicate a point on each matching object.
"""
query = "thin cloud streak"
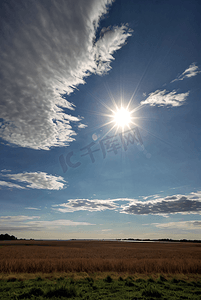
(10, 185)
(35, 180)
(184, 225)
(27, 223)
(192, 71)
(165, 98)
(33, 208)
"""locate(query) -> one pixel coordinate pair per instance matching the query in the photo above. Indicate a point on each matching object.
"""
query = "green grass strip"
(107, 288)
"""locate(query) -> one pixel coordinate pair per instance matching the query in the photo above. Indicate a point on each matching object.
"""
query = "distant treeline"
(4, 237)
(162, 240)
(7, 237)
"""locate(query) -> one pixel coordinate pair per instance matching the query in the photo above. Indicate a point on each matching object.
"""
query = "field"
(99, 256)
(99, 270)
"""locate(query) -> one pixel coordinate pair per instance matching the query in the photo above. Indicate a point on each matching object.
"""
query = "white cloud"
(86, 204)
(164, 98)
(34, 208)
(82, 126)
(10, 185)
(37, 180)
(18, 218)
(192, 70)
(4, 170)
(189, 225)
(181, 204)
(47, 49)
(110, 41)
(156, 205)
(27, 223)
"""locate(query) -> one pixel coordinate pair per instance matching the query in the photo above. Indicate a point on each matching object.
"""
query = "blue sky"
(67, 169)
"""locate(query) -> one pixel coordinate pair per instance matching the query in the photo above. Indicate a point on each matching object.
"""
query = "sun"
(122, 117)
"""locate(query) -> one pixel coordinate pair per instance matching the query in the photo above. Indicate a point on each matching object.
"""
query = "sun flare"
(122, 117)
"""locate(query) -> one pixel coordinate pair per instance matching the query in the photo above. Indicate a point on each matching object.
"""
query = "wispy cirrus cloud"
(173, 98)
(189, 225)
(19, 218)
(111, 40)
(29, 223)
(35, 180)
(163, 206)
(165, 98)
(32, 208)
(191, 71)
(10, 185)
(48, 48)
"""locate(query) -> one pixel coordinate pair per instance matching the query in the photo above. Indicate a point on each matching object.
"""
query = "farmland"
(99, 256)
(99, 270)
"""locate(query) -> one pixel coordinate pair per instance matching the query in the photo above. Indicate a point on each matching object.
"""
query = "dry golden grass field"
(99, 256)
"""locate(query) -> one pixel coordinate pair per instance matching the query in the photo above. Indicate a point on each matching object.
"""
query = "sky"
(100, 119)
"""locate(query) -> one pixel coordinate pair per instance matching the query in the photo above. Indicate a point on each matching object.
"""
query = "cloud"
(36, 180)
(192, 70)
(19, 218)
(34, 208)
(157, 205)
(189, 225)
(163, 206)
(16, 223)
(111, 40)
(86, 204)
(4, 170)
(164, 98)
(196, 223)
(82, 126)
(28, 223)
(11, 185)
(48, 48)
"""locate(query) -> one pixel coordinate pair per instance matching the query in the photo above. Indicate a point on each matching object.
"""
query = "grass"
(98, 276)
(106, 288)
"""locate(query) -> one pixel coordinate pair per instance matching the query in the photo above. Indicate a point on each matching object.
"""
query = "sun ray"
(137, 108)
(122, 118)
(142, 77)
(157, 137)
(111, 96)
(109, 132)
